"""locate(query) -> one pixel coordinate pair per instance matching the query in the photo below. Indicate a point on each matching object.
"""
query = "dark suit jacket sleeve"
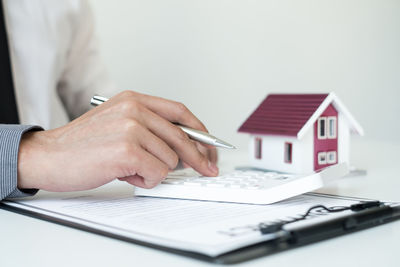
(10, 137)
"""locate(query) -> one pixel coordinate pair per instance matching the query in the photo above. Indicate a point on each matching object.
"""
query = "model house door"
(326, 139)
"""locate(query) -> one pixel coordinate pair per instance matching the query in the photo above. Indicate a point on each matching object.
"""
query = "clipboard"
(292, 238)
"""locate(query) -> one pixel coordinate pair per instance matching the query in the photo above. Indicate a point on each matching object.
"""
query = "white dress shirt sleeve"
(84, 73)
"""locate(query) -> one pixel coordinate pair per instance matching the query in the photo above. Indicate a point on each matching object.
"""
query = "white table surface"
(27, 241)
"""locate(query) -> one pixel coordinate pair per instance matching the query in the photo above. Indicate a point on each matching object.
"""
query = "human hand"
(131, 137)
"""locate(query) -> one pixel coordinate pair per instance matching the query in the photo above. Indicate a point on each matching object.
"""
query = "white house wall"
(273, 153)
(343, 139)
(306, 153)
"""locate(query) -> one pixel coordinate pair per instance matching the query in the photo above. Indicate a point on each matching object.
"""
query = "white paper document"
(210, 228)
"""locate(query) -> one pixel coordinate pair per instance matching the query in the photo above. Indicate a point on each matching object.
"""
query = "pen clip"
(97, 100)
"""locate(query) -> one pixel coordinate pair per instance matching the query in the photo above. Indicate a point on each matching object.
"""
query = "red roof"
(282, 114)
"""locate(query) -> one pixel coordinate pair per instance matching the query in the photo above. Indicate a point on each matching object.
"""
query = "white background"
(222, 57)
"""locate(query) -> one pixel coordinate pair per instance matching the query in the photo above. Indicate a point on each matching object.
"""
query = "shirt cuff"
(10, 138)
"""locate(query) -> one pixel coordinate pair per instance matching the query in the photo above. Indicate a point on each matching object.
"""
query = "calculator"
(241, 186)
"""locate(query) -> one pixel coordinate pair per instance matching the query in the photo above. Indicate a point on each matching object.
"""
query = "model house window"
(322, 128)
(288, 152)
(321, 158)
(258, 148)
(331, 157)
(331, 127)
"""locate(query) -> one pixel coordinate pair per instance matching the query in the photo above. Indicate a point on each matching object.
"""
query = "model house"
(300, 133)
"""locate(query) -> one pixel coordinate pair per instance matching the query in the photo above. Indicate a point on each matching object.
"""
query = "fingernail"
(212, 167)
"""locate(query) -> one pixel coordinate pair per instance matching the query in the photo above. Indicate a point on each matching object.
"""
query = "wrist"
(31, 160)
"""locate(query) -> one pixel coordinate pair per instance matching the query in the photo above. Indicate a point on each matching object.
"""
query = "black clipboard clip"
(364, 215)
(276, 227)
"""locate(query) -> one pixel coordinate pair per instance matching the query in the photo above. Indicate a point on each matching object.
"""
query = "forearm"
(10, 138)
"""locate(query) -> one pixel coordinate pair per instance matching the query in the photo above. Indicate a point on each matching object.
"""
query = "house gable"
(338, 105)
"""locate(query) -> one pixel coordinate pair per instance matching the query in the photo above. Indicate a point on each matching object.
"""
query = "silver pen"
(197, 135)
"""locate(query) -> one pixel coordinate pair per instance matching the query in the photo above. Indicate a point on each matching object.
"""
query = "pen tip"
(223, 144)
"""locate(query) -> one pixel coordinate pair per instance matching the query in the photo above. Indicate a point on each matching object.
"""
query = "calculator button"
(192, 183)
(216, 185)
(253, 187)
(175, 182)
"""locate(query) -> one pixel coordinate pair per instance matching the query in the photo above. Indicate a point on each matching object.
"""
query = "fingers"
(159, 149)
(135, 180)
(142, 164)
(209, 151)
(184, 147)
(193, 157)
(142, 154)
(213, 155)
